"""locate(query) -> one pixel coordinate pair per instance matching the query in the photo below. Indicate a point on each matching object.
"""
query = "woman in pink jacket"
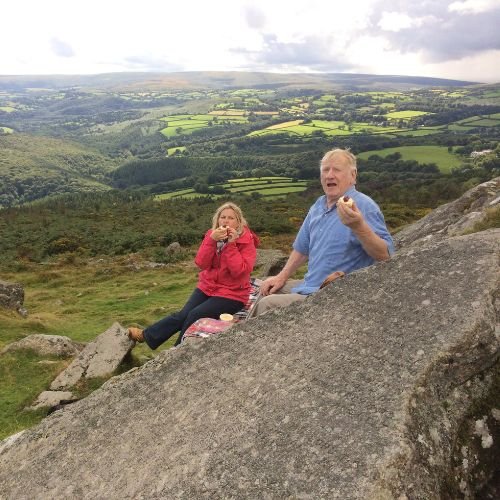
(226, 258)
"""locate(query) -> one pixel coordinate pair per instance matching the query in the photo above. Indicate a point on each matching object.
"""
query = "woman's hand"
(232, 234)
(221, 233)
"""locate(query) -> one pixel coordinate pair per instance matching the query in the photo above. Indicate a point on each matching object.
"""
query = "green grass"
(420, 132)
(83, 301)
(23, 376)
(281, 191)
(405, 115)
(423, 154)
(264, 186)
(485, 122)
(247, 179)
(172, 151)
(79, 302)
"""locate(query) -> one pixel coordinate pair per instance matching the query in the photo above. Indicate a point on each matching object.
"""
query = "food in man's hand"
(345, 200)
(226, 317)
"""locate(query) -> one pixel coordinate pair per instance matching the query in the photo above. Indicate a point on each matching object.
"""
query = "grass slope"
(33, 166)
(423, 154)
(79, 301)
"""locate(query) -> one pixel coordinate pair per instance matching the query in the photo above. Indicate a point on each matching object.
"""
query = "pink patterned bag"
(206, 327)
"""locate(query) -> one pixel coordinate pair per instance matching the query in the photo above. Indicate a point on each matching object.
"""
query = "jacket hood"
(248, 235)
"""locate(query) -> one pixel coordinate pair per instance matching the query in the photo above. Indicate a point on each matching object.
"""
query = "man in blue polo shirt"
(333, 237)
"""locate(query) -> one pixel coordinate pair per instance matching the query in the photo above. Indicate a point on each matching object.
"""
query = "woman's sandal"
(136, 334)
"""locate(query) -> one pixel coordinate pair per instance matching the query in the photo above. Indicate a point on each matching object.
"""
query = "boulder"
(453, 218)
(173, 248)
(361, 391)
(270, 262)
(51, 399)
(100, 358)
(46, 345)
(11, 295)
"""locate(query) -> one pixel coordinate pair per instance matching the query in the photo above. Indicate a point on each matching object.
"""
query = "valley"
(99, 174)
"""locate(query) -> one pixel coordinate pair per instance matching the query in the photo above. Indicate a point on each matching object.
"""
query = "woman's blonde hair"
(239, 216)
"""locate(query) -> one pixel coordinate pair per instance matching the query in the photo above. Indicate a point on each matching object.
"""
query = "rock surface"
(11, 295)
(270, 261)
(356, 393)
(51, 399)
(46, 345)
(453, 218)
(99, 358)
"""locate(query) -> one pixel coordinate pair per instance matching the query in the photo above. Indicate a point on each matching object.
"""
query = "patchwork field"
(326, 127)
(423, 154)
(268, 187)
(187, 124)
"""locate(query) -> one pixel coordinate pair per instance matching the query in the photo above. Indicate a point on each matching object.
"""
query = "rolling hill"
(32, 167)
(224, 79)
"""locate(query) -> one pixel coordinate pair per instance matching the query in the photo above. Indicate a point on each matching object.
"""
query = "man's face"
(336, 177)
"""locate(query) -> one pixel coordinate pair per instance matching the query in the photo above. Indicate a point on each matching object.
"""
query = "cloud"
(254, 17)
(311, 54)
(61, 48)
(439, 32)
(394, 21)
(468, 6)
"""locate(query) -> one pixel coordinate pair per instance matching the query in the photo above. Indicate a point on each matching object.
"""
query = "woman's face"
(228, 218)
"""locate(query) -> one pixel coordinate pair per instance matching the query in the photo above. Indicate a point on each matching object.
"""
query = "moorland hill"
(223, 80)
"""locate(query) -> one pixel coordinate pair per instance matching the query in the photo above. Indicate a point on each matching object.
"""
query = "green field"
(423, 154)
(421, 132)
(405, 115)
(172, 151)
(266, 186)
(329, 128)
(187, 124)
(259, 179)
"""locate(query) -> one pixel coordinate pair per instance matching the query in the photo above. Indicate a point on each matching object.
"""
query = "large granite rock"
(270, 262)
(453, 218)
(51, 399)
(46, 345)
(100, 358)
(359, 392)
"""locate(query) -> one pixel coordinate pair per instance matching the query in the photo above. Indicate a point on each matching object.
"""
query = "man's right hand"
(272, 285)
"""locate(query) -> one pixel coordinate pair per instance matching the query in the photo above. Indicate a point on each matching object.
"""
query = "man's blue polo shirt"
(332, 246)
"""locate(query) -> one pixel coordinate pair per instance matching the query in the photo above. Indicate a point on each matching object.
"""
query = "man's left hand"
(350, 216)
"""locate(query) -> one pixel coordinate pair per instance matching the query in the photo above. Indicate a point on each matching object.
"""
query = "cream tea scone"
(345, 200)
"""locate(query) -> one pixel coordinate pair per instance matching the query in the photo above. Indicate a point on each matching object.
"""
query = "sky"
(456, 39)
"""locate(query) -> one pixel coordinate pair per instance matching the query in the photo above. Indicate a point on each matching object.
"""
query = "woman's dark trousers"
(199, 305)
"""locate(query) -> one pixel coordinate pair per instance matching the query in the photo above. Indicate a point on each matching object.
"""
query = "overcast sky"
(458, 39)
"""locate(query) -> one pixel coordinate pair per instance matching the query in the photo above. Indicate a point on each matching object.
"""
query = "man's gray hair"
(340, 152)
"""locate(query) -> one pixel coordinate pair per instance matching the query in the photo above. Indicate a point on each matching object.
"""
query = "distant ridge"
(224, 80)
